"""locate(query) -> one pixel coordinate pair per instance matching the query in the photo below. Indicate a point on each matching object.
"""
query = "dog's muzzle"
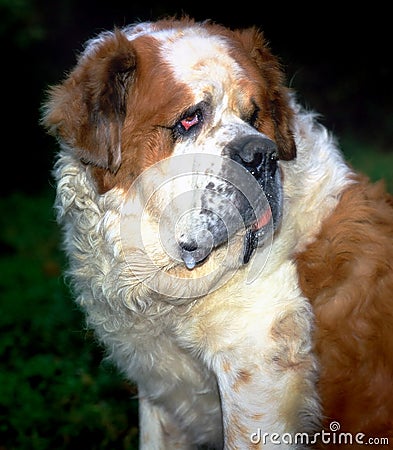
(259, 204)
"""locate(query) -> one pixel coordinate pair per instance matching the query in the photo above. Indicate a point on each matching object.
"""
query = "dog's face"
(206, 98)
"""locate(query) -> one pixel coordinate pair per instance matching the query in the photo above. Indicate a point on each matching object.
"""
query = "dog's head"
(153, 92)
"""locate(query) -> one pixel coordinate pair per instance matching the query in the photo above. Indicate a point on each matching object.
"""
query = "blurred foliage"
(55, 392)
(23, 21)
(363, 156)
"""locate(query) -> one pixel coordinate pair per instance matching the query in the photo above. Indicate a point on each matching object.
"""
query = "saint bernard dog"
(235, 267)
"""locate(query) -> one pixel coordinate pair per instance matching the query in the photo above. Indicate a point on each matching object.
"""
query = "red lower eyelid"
(189, 122)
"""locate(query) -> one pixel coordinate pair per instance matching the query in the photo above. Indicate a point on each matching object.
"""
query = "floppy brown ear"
(88, 109)
(278, 95)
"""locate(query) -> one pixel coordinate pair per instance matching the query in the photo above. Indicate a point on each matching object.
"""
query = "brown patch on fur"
(108, 113)
(275, 118)
(226, 367)
(242, 377)
(87, 111)
(154, 103)
(347, 273)
(257, 416)
(286, 332)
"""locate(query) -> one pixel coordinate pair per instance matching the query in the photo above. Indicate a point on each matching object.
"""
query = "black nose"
(194, 251)
(257, 154)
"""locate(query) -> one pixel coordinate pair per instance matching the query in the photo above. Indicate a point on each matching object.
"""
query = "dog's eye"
(189, 122)
(253, 118)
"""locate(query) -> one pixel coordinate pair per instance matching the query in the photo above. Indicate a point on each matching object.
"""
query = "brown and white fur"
(215, 363)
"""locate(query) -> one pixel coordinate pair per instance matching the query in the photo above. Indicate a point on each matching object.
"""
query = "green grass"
(364, 157)
(55, 391)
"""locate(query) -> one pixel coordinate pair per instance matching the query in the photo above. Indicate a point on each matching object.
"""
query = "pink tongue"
(262, 221)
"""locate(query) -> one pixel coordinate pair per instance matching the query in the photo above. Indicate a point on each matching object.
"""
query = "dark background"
(339, 58)
(55, 391)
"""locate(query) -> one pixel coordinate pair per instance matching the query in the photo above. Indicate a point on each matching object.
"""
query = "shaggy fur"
(215, 366)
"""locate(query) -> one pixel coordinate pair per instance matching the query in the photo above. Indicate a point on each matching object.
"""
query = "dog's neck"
(324, 175)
